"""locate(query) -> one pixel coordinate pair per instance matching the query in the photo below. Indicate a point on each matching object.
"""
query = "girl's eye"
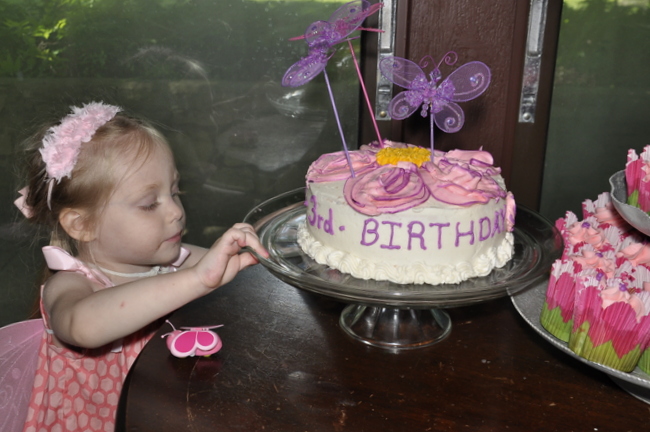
(150, 207)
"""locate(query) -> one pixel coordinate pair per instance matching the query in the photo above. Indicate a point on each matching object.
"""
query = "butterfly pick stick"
(431, 134)
(338, 122)
(365, 92)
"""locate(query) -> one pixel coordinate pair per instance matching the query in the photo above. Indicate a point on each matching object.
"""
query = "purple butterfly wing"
(318, 36)
(402, 72)
(449, 117)
(305, 69)
(409, 75)
(469, 81)
(349, 17)
(404, 104)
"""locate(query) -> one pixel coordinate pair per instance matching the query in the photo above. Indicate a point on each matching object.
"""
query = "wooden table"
(287, 366)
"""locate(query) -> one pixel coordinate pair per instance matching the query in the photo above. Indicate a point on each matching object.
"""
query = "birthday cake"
(393, 211)
(402, 216)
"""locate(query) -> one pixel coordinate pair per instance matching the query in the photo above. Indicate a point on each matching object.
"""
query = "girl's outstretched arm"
(85, 316)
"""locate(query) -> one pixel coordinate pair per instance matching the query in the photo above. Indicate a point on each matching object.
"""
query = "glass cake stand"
(390, 315)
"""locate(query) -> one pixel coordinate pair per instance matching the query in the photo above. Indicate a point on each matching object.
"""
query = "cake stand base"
(392, 328)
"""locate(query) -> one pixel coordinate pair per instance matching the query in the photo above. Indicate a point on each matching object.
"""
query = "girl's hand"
(225, 258)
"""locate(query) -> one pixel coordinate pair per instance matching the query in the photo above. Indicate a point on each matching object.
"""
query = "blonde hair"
(122, 139)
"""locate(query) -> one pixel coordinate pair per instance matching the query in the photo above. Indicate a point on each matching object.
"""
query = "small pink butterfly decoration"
(191, 341)
(321, 38)
(436, 99)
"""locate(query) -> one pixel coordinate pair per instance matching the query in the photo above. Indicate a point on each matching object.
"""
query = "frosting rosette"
(603, 211)
(588, 258)
(636, 253)
(581, 233)
(334, 166)
(387, 189)
(461, 182)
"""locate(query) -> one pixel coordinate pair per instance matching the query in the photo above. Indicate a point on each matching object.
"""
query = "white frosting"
(433, 243)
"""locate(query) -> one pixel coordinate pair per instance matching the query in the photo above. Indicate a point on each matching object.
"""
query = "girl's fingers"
(250, 239)
(244, 227)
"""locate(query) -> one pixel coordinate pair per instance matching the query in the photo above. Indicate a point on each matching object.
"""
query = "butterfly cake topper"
(322, 38)
(434, 98)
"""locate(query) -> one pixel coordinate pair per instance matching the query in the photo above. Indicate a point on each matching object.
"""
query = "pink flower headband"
(62, 143)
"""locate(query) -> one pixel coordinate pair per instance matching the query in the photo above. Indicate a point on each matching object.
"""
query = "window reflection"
(206, 73)
(601, 99)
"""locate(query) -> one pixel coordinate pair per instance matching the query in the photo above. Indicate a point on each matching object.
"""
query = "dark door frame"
(495, 30)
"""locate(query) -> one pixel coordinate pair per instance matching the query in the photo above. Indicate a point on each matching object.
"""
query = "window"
(601, 100)
(206, 73)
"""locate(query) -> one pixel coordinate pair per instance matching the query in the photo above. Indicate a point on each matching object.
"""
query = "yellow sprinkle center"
(416, 155)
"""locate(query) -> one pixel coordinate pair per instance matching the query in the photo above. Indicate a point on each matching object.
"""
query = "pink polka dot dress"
(78, 389)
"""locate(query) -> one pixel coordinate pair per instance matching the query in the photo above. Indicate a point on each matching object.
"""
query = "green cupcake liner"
(644, 361)
(580, 343)
(633, 198)
(552, 321)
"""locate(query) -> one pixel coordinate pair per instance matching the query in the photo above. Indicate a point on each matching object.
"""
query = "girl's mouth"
(176, 238)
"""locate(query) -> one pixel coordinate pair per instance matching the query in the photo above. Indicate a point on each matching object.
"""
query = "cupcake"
(637, 178)
(557, 312)
(588, 251)
(611, 324)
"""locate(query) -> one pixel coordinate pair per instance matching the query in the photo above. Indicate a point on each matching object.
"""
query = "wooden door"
(494, 32)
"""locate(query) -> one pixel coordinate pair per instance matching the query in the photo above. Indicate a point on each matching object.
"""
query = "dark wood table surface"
(286, 365)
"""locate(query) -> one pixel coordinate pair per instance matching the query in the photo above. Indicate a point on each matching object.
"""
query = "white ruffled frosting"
(416, 273)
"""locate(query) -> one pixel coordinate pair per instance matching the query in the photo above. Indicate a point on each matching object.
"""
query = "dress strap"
(60, 260)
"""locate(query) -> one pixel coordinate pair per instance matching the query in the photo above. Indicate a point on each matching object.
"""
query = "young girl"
(107, 187)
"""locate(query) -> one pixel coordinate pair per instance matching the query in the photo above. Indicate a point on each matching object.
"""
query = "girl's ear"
(74, 223)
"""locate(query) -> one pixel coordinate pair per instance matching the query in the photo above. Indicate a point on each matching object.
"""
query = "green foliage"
(31, 32)
(603, 43)
(152, 38)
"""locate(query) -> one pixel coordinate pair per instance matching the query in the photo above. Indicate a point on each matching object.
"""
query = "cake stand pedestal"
(393, 328)
(389, 315)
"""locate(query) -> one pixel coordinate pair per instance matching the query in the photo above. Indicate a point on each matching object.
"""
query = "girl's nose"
(176, 210)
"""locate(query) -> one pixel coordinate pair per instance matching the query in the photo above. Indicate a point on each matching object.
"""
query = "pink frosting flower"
(334, 166)
(387, 189)
(461, 184)
(62, 143)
